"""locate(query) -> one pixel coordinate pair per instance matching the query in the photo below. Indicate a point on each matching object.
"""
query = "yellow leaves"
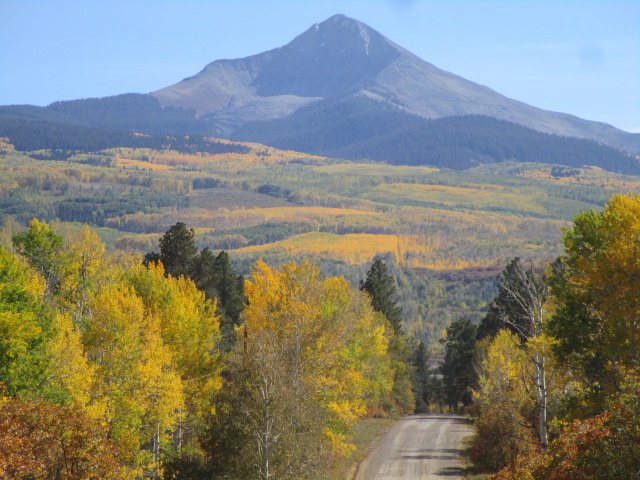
(339, 442)
(147, 159)
(70, 369)
(347, 412)
(189, 329)
(542, 344)
(17, 329)
(323, 336)
(506, 371)
(603, 259)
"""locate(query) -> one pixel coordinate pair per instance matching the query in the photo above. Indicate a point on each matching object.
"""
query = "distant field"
(495, 198)
(285, 205)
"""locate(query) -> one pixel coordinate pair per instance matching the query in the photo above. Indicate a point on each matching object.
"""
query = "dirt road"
(425, 447)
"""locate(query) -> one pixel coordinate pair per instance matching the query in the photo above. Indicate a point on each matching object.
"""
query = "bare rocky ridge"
(342, 57)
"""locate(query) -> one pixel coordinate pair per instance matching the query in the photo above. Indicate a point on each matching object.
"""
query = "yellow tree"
(505, 425)
(84, 269)
(315, 353)
(113, 338)
(595, 288)
(506, 400)
(70, 370)
(190, 331)
(137, 387)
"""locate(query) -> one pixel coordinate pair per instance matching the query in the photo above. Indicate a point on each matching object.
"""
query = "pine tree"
(177, 251)
(458, 372)
(381, 287)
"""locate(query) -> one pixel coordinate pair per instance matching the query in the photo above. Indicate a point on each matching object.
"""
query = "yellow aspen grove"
(190, 332)
(70, 369)
(113, 337)
(316, 356)
(84, 269)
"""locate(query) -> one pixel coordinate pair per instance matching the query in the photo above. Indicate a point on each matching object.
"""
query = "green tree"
(506, 311)
(458, 370)
(177, 251)
(25, 327)
(215, 276)
(381, 287)
(595, 287)
(41, 246)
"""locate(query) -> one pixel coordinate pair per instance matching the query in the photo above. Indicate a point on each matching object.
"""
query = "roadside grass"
(365, 434)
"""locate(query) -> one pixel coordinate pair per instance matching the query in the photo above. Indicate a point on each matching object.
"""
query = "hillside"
(440, 230)
(360, 128)
(340, 89)
(342, 57)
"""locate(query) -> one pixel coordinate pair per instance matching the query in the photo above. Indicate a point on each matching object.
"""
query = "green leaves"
(381, 287)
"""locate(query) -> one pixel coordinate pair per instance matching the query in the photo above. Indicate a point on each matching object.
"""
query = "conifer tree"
(177, 251)
(459, 374)
(381, 287)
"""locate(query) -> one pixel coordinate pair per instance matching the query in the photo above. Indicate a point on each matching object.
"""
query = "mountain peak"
(328, 59)
(342, 57)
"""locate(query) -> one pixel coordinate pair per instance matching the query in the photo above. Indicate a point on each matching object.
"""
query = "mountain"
(339, 89)
(342, 57)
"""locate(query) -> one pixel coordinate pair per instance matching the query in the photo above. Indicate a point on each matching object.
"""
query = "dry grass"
(366, 432)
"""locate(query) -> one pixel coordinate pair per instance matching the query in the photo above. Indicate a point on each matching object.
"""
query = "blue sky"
(576, 56)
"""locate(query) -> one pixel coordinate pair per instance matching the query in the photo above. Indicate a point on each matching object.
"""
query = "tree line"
(552, 372)
(177, 367)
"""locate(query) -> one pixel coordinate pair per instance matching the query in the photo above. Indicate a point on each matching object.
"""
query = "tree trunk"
(541, 393)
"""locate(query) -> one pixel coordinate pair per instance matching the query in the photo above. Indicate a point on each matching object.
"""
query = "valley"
(447, 233)
(328, 260)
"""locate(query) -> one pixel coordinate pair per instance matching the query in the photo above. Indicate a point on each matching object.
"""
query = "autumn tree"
(606, 446)
(520, 307)
(131, 348)
(595, 286)
(41, 246)
(84, 267)
(314, 356)
(189, 331)
(43, 441)
(506, 410)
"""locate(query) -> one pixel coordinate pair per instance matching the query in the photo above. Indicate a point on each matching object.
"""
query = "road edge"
(353, 470)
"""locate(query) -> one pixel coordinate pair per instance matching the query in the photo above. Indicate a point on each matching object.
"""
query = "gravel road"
(425, 447)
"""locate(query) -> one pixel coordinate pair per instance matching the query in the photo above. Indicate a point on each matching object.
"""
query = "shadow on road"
(456, 419)
(431, 454)
(452, 472)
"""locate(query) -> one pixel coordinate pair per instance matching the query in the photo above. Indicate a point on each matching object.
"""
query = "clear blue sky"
(575, 56)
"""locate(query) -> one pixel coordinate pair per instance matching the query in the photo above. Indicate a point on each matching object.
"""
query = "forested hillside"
(132, 111)
(361, 128)
(444, 233)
